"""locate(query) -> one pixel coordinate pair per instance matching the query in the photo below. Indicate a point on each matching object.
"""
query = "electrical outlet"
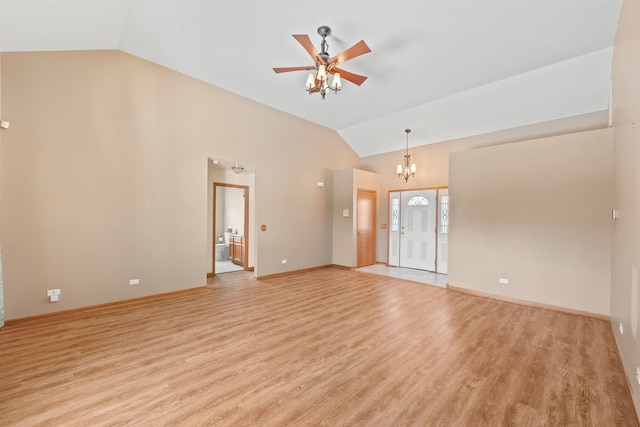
(503, 281)
(621, 329)
(284, 261)
(134, 282)
(53, 294)
(638, 374)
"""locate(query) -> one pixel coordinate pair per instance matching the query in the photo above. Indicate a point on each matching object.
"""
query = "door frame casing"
(245, 254)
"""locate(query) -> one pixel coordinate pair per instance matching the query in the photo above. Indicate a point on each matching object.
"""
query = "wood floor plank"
(325, 347)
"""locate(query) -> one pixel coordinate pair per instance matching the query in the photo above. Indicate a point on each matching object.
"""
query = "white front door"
(418, 229)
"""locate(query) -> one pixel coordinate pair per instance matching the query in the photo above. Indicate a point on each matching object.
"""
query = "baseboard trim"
(44, 316)
(528, 303)
(627, 380)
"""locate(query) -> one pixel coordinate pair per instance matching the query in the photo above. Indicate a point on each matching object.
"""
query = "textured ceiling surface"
(445, 69)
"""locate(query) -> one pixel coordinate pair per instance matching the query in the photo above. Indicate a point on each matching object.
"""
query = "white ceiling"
(444, 68)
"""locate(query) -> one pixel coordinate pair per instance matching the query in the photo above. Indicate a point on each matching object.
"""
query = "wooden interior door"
(366, 228)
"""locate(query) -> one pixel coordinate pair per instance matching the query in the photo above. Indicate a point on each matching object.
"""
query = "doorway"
(230, 227)
(366, 227)
(418, 229)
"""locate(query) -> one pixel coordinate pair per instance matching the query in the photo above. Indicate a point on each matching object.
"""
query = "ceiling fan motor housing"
(324, 31)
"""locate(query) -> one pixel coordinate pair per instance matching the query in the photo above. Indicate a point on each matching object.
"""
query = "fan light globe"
(322, 73)
(336, 81)
(311, 80)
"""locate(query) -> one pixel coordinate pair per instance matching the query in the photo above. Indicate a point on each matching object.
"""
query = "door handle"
(360, 232)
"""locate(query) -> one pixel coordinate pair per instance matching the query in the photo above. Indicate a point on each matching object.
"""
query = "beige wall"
(104, 179)
(433, 160)
(625, 295)
(343, 232)
(537, 213)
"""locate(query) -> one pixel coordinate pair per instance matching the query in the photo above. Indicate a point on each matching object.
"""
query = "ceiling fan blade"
(352, 77)
(357, 49)
(306, 43)
(287, 69)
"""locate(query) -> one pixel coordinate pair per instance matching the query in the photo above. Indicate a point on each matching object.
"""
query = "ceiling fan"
(325, 64)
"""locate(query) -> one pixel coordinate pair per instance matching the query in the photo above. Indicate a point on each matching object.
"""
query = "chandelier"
(409, 169)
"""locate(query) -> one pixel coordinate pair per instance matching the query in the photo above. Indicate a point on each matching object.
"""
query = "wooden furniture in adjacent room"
(236, 249)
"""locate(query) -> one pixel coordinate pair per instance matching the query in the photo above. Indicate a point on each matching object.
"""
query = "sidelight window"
(444, 214)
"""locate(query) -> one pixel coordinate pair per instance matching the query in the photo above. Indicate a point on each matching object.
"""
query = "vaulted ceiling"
(444, 68)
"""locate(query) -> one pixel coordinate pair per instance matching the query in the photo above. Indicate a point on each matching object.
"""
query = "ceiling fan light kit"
(317, 80)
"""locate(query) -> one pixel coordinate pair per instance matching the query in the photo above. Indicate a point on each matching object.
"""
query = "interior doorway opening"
(230, 216)
(230, 227)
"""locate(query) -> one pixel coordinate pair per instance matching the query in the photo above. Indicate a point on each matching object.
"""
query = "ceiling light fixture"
(409, 168)
(237, 169)
(317, 80)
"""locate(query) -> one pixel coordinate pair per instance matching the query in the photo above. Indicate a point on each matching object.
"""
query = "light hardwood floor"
(328, 347)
